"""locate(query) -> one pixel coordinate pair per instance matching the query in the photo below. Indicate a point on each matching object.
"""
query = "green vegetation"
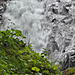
(16, 58)
(69, 71)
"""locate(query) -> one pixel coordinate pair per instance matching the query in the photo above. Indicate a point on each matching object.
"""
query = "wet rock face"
(52, 45)
(2, 9)
(69, 60)
(59, 23)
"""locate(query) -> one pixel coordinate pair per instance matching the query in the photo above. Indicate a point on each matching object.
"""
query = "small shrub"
(16, 58)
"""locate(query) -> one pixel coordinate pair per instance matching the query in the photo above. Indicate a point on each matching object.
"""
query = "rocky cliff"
(59, 29)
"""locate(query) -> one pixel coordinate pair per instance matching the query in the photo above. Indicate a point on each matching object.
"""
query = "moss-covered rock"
(69, 71)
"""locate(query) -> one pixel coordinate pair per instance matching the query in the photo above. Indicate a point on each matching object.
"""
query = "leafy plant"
(16, 58)
(35, 69)
(69, 71)
(7, 40)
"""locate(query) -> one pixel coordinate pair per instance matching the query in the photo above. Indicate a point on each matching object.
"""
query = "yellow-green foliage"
(69, 71)
(18, 59)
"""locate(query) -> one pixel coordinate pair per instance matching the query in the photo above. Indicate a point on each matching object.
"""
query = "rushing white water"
(26, 15)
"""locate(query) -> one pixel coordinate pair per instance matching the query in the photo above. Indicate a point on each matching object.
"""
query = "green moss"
(69, 71)
(16, 58)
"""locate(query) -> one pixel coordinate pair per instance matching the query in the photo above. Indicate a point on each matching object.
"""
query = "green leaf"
(8, 32)
(20, 52)
(54, 67)
(4, 66)
(35, 69)
(46, 71)
(12, 29)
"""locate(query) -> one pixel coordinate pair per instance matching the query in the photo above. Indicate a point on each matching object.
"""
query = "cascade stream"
(46, 24)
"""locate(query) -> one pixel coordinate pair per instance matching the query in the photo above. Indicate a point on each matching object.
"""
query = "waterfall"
(46, 24)
(30, 17)
(26, 15)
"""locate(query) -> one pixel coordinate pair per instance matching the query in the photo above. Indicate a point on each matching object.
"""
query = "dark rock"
(72, 54)
(68, 5)
(63, 51)
(67, 20)
(55, 11)
(65, 11)
(52, 45)
(67, 42)
(58, 0)
(39, 0)
(2, 8)
(0, 16)
(73, 4)
(53, 5)
(69, 60)
(65, 63)
(54, 20)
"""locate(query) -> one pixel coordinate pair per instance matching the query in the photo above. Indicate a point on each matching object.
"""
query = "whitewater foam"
(26, 15)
